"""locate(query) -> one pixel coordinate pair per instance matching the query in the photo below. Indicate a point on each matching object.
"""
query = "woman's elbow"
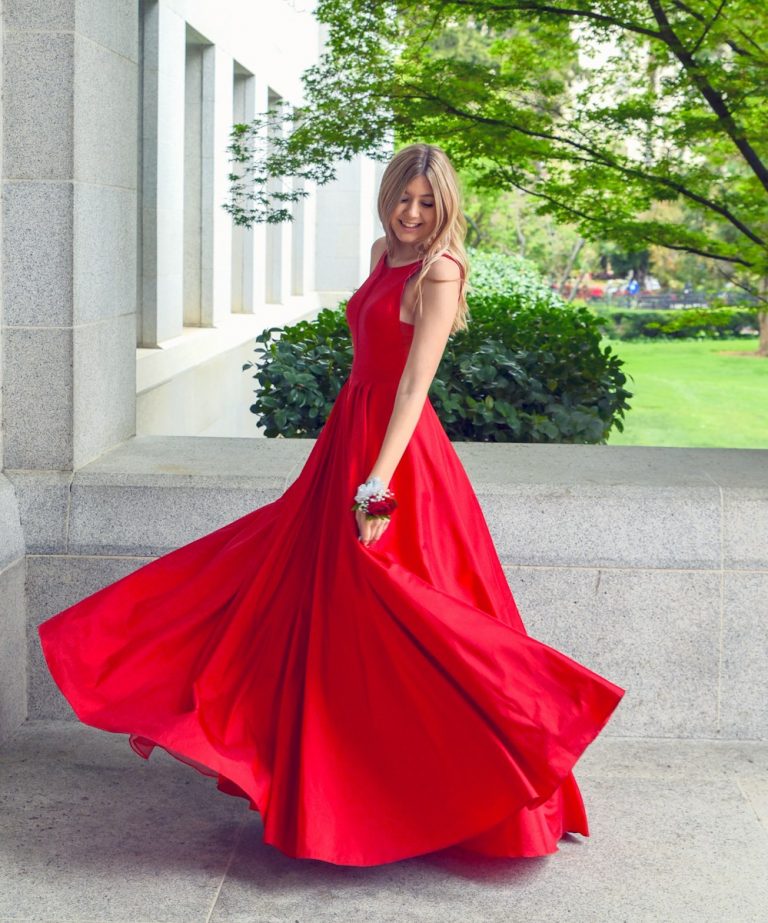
(414, 388)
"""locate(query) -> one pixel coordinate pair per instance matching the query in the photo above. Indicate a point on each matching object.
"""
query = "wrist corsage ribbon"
(375, 499)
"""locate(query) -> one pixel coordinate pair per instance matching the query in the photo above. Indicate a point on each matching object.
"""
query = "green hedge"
(716, 322)
(528, 369)
(495, 274)
(300, 371)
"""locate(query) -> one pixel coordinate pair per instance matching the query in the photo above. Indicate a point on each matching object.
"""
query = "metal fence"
(659, 300)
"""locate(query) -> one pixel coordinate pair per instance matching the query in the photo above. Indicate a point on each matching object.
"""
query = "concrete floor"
(91, 833)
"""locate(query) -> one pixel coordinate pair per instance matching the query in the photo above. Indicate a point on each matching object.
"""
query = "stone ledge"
(648, 564)
(553, 505)
(489, 464)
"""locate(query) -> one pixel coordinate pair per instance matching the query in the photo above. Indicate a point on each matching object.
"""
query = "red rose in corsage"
(376, 500)
(381, 509)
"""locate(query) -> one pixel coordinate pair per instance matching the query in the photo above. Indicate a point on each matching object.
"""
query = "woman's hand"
(369, 529)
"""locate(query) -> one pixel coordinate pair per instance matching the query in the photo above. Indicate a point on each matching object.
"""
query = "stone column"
(259, 231)
(162, 255)
(218, 75)
(346, 226)
(69, 269)
(243, 293)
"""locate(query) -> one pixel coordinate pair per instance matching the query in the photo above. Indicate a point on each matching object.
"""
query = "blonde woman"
(349, 657)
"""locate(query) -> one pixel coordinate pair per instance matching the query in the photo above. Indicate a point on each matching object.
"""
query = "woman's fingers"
(370, 529)
(364, 527)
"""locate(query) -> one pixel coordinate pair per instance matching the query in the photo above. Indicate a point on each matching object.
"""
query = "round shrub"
(300, 371)
(531, 374)
(517, 280)
(529, 368)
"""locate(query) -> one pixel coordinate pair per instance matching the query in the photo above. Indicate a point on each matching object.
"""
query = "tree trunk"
(566, 275)
(762, 319)
(521, 241)
(472, 225)
(576, 286)
(762, 323)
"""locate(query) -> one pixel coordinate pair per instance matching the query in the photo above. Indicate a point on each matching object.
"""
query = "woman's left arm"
(430, 335)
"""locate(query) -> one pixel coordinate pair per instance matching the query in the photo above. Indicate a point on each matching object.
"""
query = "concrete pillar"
(346, 226)
(69, 178)
(303, 242)
(195, 114)
(162, 255)
(243, 290)
(216, 228)
(260, 231)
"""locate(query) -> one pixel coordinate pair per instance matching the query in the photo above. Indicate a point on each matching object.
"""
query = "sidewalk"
(91, 833)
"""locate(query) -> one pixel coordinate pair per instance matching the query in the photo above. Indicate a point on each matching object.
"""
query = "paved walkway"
(91, 833)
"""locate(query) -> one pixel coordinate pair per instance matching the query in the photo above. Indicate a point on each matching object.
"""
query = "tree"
(599, 110)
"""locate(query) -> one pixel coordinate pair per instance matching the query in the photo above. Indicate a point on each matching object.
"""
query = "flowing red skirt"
(371, 702)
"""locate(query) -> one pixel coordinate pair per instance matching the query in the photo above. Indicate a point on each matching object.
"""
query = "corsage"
(376, 500)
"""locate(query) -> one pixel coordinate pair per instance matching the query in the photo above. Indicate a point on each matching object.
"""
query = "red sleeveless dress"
(371, 702)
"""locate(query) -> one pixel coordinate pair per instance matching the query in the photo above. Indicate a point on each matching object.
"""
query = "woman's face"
(413, 220)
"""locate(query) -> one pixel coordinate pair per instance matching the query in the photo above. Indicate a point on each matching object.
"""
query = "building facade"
(129, 299)
(206, 286)
(129, 302)
(123, 274)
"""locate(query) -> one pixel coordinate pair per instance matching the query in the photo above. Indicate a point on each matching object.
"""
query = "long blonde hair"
(432, 162)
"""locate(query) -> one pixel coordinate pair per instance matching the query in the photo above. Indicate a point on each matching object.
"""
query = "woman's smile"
(413, 219)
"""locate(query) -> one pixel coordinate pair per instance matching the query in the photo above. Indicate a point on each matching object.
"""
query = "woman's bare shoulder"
(444, 269)
(379, 247)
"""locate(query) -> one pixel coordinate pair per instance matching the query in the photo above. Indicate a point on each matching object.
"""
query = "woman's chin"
(410, 240)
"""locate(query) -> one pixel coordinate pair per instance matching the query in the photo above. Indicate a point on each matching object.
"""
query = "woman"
(349, 658)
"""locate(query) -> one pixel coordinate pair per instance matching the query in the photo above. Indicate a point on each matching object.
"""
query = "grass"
(694, 393)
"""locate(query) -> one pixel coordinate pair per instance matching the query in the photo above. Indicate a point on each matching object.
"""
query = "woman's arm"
(431, 330)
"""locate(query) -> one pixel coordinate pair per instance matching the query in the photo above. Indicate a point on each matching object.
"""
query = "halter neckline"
(388, 266)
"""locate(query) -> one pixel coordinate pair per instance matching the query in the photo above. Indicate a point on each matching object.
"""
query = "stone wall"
(649, 565)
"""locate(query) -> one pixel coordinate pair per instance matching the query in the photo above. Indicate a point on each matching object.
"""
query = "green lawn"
(691, 393)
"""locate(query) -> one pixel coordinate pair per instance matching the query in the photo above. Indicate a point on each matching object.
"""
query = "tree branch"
(715, 100)
(742, 285)
(595, 220)
(668, 36)
(707, 27)
(530, 6)
(699, 17)
(601, 158)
